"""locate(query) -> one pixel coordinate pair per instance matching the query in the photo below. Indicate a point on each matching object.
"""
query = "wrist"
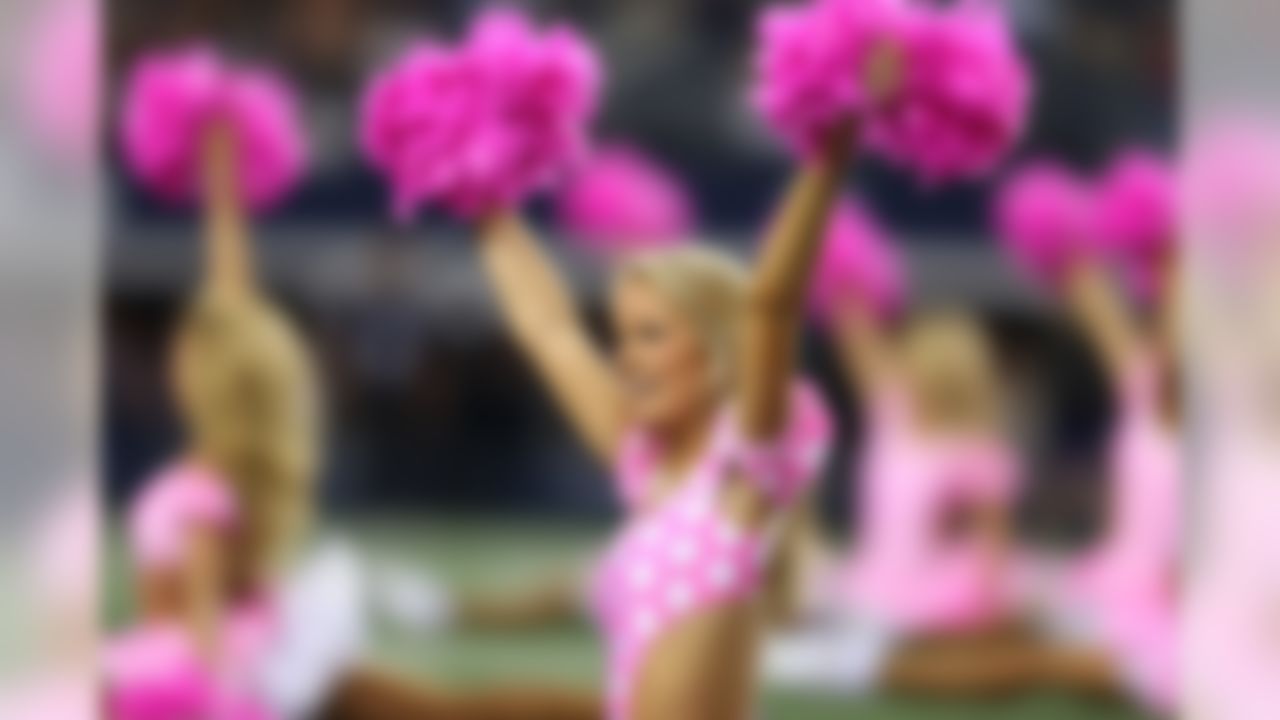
(500, 222)
(837, 150)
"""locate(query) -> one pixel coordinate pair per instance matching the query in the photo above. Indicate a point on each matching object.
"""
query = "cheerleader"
(618, 205)
(232, 625)
(928, 581)
(1114, 616)
(924, 600)
(710, 440)
(209, 532)
(222, 601)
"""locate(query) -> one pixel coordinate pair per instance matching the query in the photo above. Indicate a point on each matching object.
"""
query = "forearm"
(1170, 299)
(863, 347)
(997, 536)
(1103, 317)
(201, 596)
(782, 271)
(228, 257)
(532, 296)
(775, 300)
(540, 313)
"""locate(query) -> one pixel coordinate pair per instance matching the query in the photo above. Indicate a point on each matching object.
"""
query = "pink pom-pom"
(172, 100)
(813, 60)
(856, 260)
(1136, 205)
(1136, 215)
(1042, 214)
(622, 201)
(481, 126)
(964, 98)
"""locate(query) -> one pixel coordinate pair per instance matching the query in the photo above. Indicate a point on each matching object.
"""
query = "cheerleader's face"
(951, 373)
(665, 369)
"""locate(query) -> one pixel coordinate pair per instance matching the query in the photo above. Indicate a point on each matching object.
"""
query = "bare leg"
(1082, 671)
(555, 602)
(370, 693)
(998, 662)
(996, 674)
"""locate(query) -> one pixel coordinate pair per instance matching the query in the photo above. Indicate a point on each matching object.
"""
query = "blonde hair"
(249, 395)
(707, 287)
(952, 368)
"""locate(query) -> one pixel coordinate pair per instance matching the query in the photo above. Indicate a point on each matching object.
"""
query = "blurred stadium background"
(442, 450)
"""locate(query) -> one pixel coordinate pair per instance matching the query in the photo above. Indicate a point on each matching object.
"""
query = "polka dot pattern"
(683, 556)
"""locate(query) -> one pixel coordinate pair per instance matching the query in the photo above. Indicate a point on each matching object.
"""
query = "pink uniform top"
(1141, 544)
(678, 554)
(904, 569)
(153, 670)
(1129, 578)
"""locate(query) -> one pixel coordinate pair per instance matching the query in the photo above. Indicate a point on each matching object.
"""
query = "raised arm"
(1170, 310)
(775, 300)
(202, 573)
(863, 344)
(1101, 312)
(541, 316)
(228, 254)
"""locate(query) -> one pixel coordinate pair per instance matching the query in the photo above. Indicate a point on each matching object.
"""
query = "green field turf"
(495, 555)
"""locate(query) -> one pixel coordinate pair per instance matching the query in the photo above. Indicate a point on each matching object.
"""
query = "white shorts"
(324, 630)
(843, 652)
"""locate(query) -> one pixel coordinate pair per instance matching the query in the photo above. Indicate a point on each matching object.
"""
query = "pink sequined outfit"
(681, 554)
(903, 570)
(1128, 581)
(153, 670)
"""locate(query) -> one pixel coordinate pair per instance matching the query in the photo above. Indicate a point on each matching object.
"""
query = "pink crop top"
(681, 554)
(903, 568)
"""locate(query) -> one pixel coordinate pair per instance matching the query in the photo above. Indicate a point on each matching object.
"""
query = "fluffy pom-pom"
(1136, 215)
(171, 101)
(481, 126)
(856, 260)
(812, 63)
(1136, 208)
(622, 200)
(942, 92)
(964, 96)
(1042, 214)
